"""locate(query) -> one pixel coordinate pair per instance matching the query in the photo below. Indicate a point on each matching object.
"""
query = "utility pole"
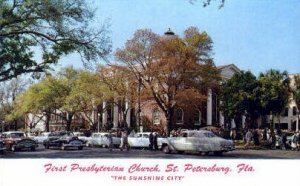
(139, 104)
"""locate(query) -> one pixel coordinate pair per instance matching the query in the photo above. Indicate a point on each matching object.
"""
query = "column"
(209, 107)
(297, 122)
(222, 119)
(116, 115)
(233, 125)
(104, 115)
(243, 121)
(128, 112)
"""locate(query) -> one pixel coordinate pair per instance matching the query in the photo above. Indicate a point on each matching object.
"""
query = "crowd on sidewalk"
(273, 139)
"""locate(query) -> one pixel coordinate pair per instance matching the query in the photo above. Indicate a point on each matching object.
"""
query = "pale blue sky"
(255, 35)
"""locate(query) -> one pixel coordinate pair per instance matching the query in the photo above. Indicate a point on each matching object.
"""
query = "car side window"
(200, 135)
(145, 136)
(209, 135)
(184, 135)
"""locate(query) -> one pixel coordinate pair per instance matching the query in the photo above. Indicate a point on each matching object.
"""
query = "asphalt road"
(89, 152)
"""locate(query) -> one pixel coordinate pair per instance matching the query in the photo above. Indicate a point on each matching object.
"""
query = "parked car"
(100, 139)
(197, 141)
(17, 140)
(81, 136)
(42, 137)
(141, 140)
(63, 140)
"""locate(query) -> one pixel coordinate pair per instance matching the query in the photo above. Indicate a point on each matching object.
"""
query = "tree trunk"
(48, 113)
(169, 116)
(69, 121)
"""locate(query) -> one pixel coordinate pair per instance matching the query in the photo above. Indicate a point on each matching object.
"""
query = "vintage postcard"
(149, 92)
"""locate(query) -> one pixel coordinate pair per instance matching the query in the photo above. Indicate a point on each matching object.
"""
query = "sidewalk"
(240, 145)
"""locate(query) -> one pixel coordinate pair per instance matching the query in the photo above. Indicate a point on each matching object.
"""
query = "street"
(89, 152)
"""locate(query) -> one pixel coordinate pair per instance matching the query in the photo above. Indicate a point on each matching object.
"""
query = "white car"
(197, 141)
(100, 139)
(42, 137)
(81, 136)
(141, 140)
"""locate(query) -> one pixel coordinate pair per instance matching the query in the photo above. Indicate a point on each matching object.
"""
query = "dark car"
(17, 140)
(63, 140)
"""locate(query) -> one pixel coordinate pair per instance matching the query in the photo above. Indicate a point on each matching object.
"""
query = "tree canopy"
(274, 91)
(169, 66)
(238, 96)
(55, 28)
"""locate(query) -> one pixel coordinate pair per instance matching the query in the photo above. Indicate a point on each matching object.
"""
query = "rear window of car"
(17, 135)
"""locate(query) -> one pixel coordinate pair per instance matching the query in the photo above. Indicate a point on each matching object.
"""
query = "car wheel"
(80, 148)
(180, 152)
(166, 149)
(103, 146)
(62, 147)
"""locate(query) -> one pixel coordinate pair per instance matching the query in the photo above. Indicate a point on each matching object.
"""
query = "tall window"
(156, 116)
(197, 117)
(110, 111)
(179, 116)
(294, 111)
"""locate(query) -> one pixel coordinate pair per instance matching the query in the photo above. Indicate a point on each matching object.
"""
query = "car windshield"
(17, 135)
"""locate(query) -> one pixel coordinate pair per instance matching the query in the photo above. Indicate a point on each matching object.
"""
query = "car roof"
(100, 133)
(10, 132)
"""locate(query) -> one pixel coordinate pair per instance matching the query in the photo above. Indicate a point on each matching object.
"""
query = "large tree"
(53, 27)
(170, 66)
(274, 92)
(48, 97)
(238, 97)
(122, 88)
(86, 96)
(297, 91)
(9, 91)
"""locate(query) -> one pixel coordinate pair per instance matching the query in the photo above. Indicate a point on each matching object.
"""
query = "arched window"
(197, 117)
(179, 116)
(156, 116)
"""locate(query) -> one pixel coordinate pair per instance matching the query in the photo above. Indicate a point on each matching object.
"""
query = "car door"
(145, 140)
(179, 143)
(95, 139)
(209, 142)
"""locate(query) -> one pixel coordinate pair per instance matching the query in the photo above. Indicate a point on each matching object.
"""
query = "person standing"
(298, 141)
(155, 136)
(110, 140)
(256, 137)
(294, 141)
(151, 141)
(124, 140)
(283, 141)
(248, 138)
